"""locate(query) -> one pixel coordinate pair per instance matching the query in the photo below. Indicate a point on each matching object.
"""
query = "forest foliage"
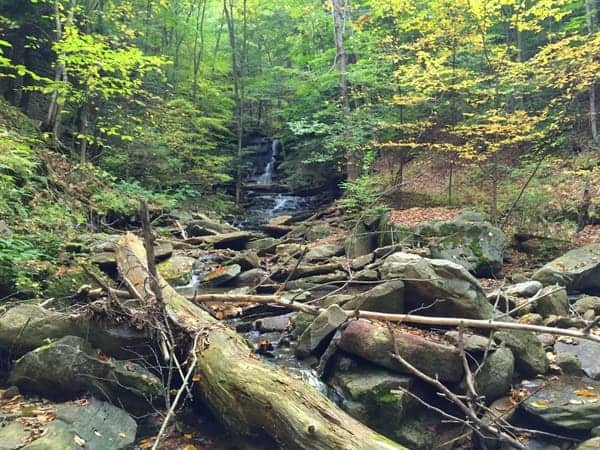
(160, 98)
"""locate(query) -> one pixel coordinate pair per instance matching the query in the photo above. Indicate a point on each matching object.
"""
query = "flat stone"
(221, 275)
(251, 277)
(176, 269)
(290, 249)
(99, 425)
(590, 444)
(236, 240)
(12, 435)
(263, 246)
(587, 352)
(324, 252)
(372, 341)
(246, 260)
(275, 323)
(558, 403)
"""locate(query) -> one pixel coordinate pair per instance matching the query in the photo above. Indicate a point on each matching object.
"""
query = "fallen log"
(246, 395)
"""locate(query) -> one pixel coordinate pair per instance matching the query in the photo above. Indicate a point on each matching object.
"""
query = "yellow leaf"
(539, 404)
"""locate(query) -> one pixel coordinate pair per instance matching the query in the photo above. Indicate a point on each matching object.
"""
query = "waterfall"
(267, 175)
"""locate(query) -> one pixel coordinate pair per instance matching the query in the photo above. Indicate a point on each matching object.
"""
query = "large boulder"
(478, 246)
(552, 300)
(70, 366)
(323, 252)
(360, 241)
(373, 342)
(94, 425)
(441, 287)
(568, 402)
(205, 226)
(577, 270)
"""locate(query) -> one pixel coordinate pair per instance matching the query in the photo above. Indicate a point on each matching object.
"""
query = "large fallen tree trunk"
(246, 395)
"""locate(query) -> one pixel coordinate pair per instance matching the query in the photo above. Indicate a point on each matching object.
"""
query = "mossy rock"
(66, 280)
(177, 269)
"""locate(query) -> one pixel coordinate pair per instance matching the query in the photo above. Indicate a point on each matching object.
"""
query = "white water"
(267, 175)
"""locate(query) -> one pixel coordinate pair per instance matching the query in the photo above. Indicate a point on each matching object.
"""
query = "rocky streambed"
(541, 389)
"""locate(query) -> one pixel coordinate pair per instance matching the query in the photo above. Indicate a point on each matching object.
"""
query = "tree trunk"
(246, 395)
(591, 11)
(352, 159)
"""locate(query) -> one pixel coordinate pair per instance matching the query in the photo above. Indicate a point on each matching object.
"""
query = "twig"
(180, 392)
(469, 412)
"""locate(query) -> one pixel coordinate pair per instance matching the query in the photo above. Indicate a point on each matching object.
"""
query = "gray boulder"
(478, 246)
(70, 366)
(263, 246)
(95, 425)
(360, 241)
(524, 289)
(577, 270)
(373, 342)
(319, 330)
(558, 404)
(445, 288)
(251, 277)
(236, 240)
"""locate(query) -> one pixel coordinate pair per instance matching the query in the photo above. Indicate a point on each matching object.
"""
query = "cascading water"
(267, 175)
(267, 200)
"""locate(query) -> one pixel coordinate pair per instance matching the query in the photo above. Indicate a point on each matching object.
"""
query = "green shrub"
(364, 196)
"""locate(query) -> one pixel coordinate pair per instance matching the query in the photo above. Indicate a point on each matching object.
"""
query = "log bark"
(246, 395)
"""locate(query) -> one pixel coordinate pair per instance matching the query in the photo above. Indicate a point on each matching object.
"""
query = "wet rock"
(585, 351)
(176, 269)
(323, 252)
(525, 289)
(478, 246)
(70, 366)
(586, 303)
(446, 288)
(552, 300)
(530, 356)
(275, 323)
(372, 341)
(236, 240)
(577, 270)
(496, 374)
(558, 404)
(386, 298)
(221, 275)
(263, 246)
(321, 329)
(96, 424)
